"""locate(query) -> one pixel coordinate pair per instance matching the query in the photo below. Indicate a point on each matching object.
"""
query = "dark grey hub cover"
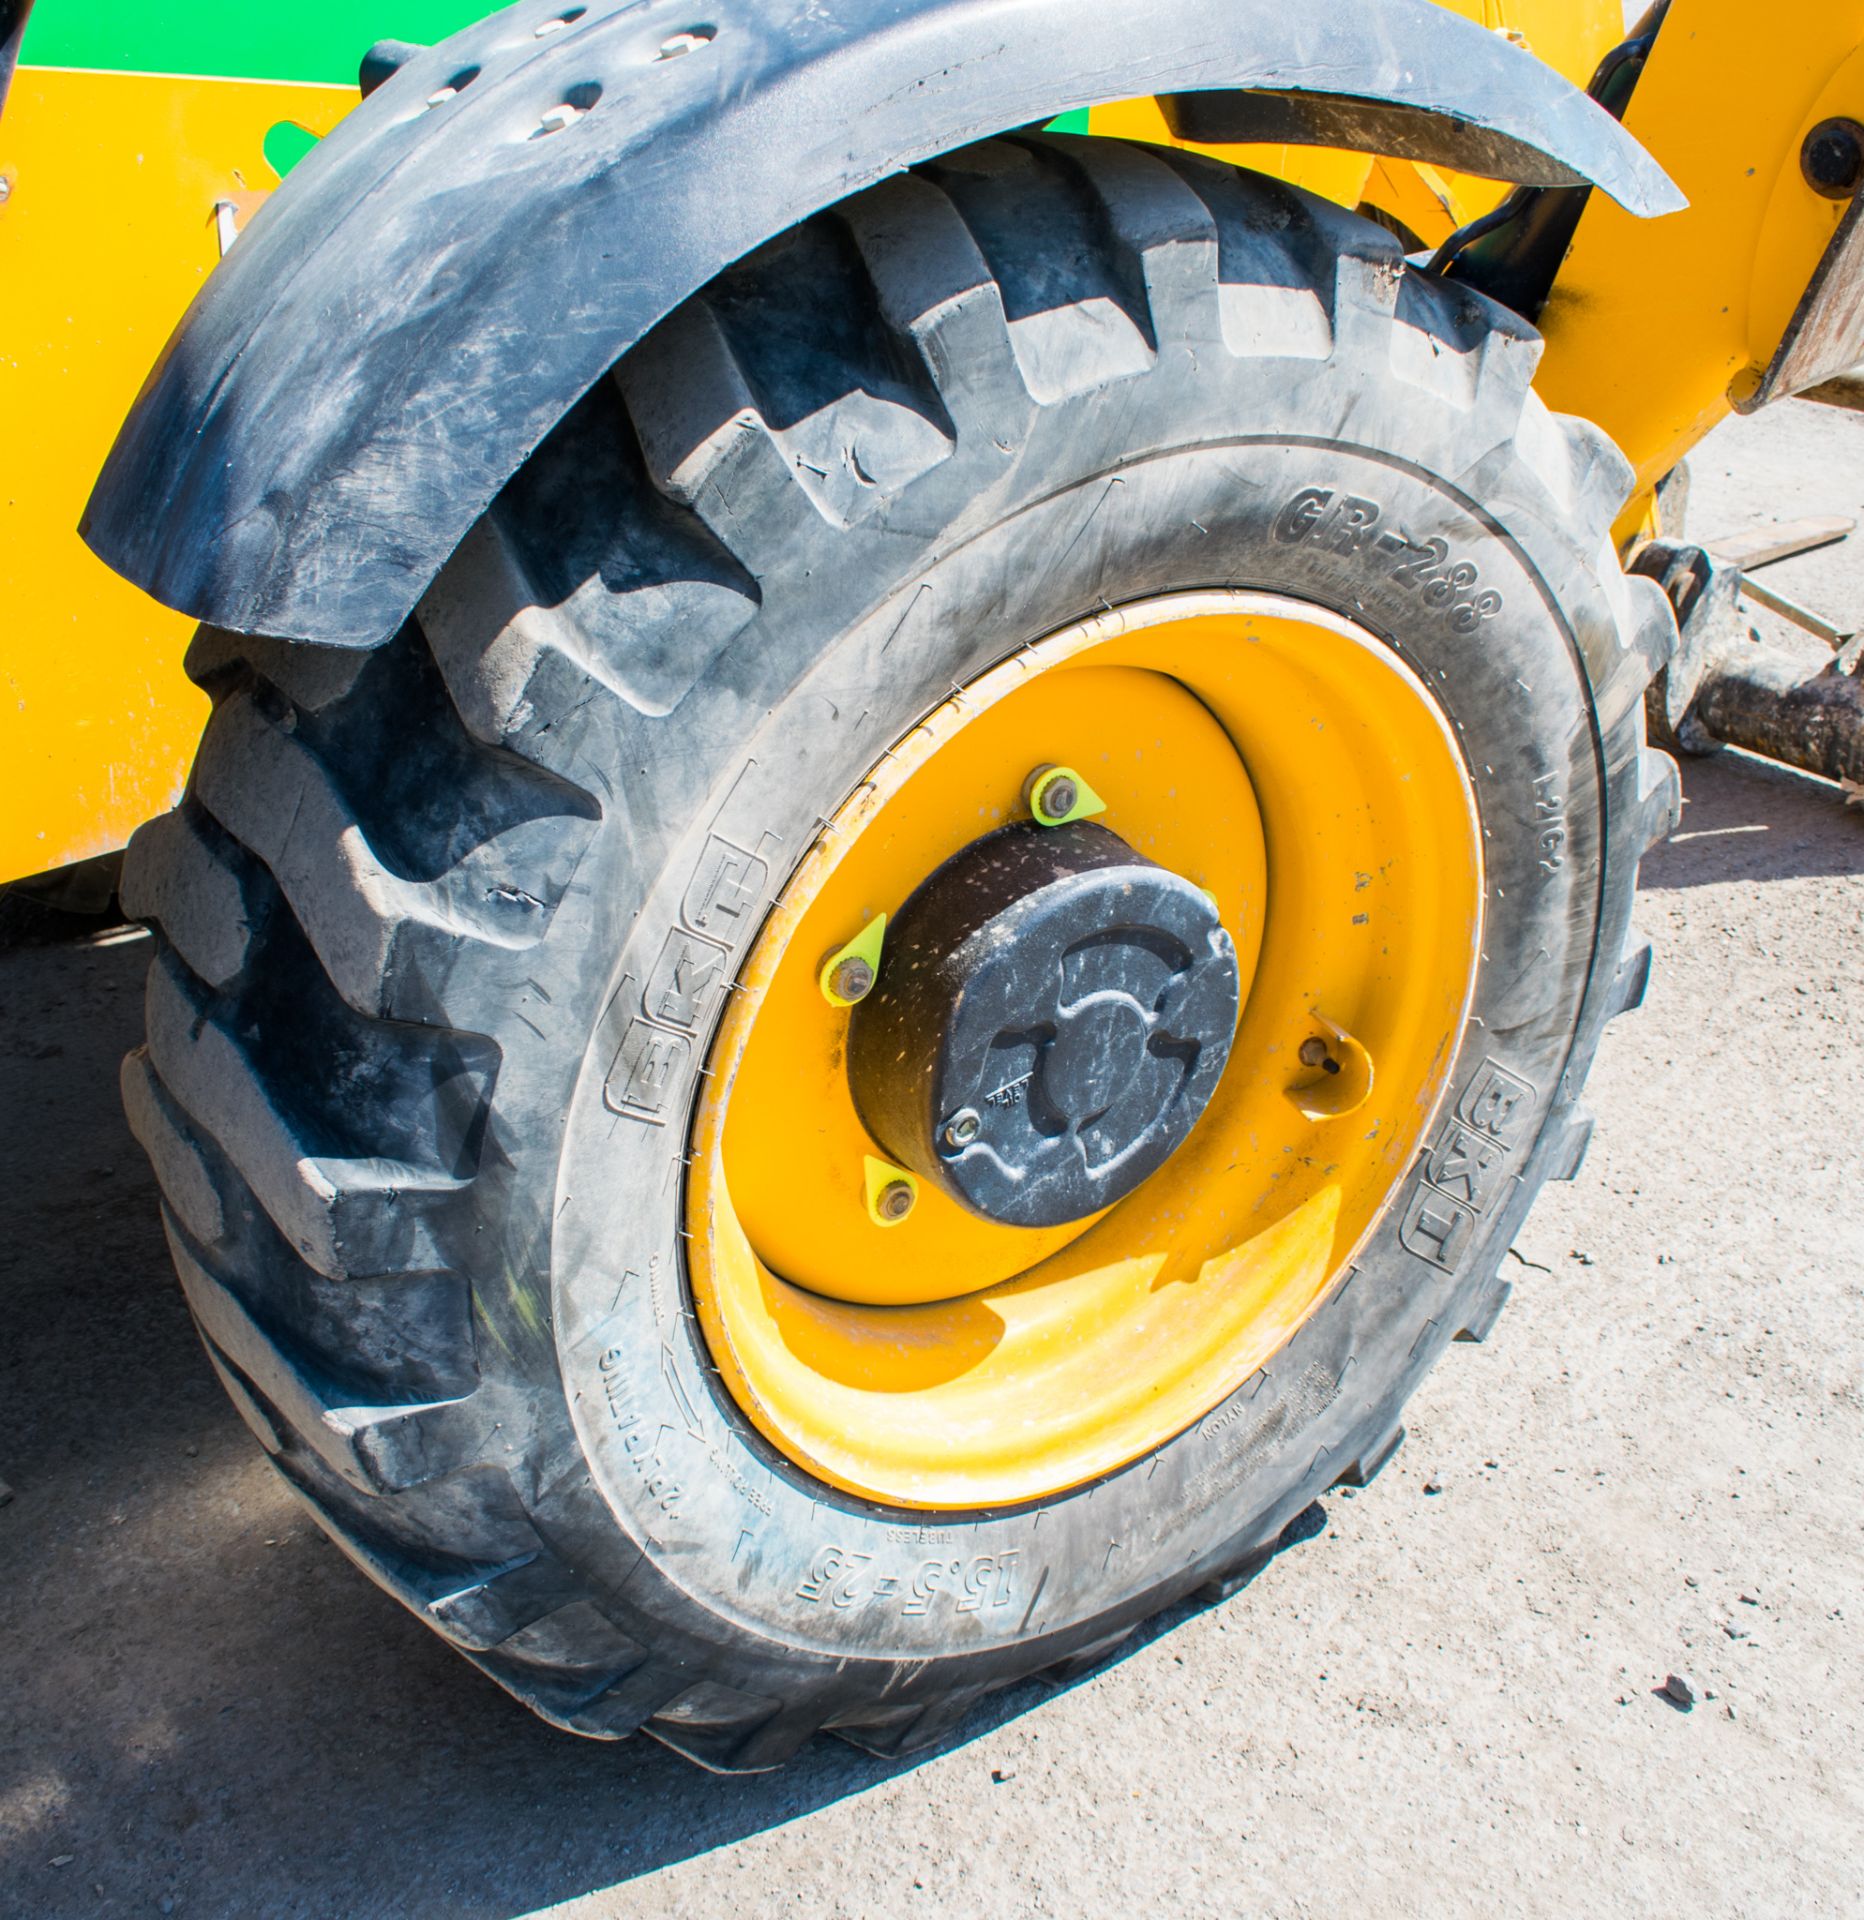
(1052, 1016)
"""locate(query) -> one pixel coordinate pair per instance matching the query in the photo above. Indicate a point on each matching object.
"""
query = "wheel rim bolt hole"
(1316, 1053)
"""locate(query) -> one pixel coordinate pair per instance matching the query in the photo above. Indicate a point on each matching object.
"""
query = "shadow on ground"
(204, 1710)
(1747, 819)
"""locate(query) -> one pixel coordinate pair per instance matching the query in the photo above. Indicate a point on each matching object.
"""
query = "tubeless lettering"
(1346, 525)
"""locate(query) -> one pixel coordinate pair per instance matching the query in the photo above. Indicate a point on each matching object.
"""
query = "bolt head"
(962, 1128)
(1314, 1052)
(1833, 159)
(895, 1201)
(1058, 797)
(853, 978)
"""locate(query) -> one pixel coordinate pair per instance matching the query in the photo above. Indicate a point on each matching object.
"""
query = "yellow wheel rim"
(1288, 763)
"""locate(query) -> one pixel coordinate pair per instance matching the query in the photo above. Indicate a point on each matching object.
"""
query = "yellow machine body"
(121, 188)
(1657, 330)
(110, 224)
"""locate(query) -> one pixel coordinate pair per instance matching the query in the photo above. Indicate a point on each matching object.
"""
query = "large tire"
(398, 908)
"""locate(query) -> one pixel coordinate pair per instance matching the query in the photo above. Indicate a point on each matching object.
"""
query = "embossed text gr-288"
(1344, 524)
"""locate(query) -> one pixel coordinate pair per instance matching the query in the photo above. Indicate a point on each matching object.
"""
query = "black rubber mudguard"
(504, 218)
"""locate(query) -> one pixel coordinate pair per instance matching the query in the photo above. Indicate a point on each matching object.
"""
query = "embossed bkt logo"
(1468, 1166)
(722, 896)
(647, 1073)
(1499, 1104)
(1436, 1229)
(686, 979)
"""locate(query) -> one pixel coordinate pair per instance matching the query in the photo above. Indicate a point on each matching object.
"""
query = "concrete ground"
(1447, 1702)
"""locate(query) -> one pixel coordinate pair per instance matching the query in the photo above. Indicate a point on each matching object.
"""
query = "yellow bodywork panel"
(106, 233)
(1656, 327)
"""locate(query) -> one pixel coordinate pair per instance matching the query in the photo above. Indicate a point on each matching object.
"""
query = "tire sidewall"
(772, 745)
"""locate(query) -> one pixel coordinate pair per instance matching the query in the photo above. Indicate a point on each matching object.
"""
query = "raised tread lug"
(583, 580)
(1631, 983)
(936, 289)
(1309, 1522)
(1372, 1460)
(310, 677)
(895, 1736)
(1604, 477)
(1660, 798)
(1568, 1139)
(1064, 1673)
(1487, 1311)
(1268, 306)
(708, 445)
(575, 1651)
(176, 878)
(1165, 236)
(487, 1611)
(348, 1218)
(376, 1449)
(165, 1135)
(726, 1731)
(1066, 341)
(381, 938)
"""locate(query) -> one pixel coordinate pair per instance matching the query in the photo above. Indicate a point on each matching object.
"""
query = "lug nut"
(853, 978)
(962, 1128)
(846, 974)
(1055, 795)
(895, 1201)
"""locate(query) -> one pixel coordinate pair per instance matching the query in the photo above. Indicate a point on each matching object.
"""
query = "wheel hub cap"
(1053, 1017)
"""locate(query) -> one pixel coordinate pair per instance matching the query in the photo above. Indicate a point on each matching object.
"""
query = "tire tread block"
(179, 875)
(377, 1449)
(349, 1218)
(1481, 1322)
